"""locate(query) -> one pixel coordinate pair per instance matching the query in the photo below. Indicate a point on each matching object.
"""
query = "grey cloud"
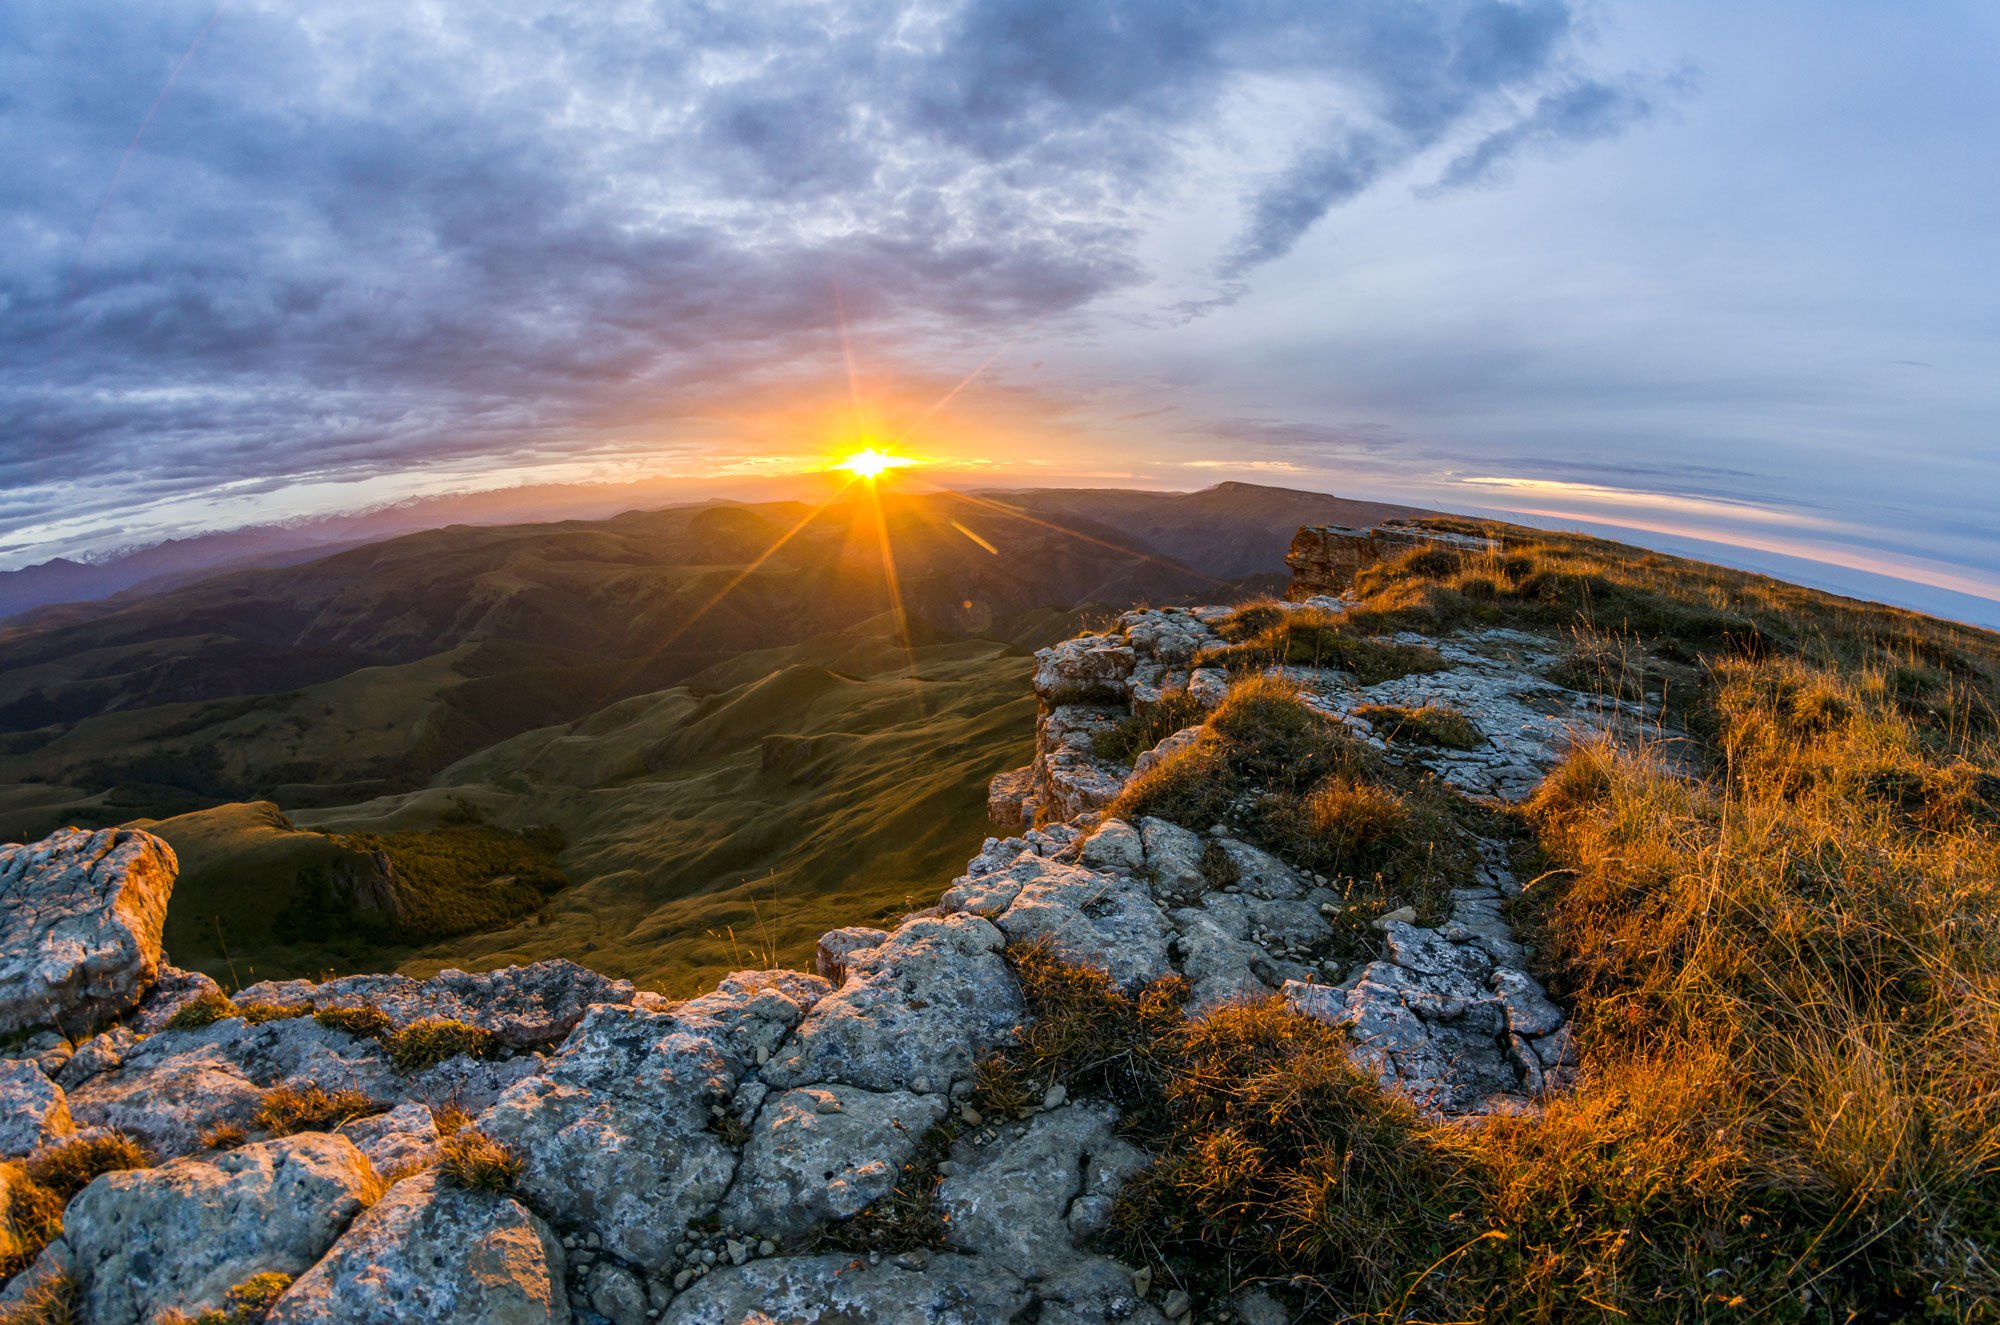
(356, 238)
(1583, 111)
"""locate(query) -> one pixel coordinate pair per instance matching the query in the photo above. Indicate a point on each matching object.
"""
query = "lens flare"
(872, 464)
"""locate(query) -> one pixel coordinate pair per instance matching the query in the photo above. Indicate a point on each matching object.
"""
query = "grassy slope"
(1783, 959)
(709, 832)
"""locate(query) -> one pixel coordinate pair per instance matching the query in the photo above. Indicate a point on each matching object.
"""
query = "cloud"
(366, 237)
(1580, 112)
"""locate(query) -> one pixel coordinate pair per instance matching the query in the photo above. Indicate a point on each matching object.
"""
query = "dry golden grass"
(287, 1109)
(1782, 949)
(471, 1159)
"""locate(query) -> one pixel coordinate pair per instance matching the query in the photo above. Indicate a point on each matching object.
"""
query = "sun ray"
(967, 381)
(895, 586)
(1016, 513)
(975, 538)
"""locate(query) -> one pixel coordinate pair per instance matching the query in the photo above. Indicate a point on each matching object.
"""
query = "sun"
(871, 464)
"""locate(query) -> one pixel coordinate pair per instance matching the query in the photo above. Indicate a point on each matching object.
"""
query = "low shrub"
(431, 1040)
(471, 1159)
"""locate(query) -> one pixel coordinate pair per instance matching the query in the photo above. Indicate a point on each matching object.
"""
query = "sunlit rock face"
(687, 1161)
(80, 921)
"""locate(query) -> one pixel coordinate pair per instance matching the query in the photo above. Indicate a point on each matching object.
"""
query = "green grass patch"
(248, 1302)
(471, 1159)
(285, 1110)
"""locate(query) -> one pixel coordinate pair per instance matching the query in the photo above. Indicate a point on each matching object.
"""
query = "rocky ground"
(687, 1161)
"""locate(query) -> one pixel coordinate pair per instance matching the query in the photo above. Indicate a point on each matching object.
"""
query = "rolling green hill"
(720, 711)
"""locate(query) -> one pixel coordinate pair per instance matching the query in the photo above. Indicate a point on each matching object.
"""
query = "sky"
(1711, 277)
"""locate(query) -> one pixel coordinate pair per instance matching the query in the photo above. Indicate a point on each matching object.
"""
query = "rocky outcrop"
(81, 914)
(691, 1161)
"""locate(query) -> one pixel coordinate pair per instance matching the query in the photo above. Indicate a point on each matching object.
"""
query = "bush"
(287, 1109)
(68, 1168)
(431, 1040)
(471, 1159)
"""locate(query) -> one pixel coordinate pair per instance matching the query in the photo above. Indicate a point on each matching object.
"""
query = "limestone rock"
(1010, 798)
(1086, 666)
(919, 1007)
(1173, 856)
(396, 1142)
(33, 1109)
(172, 991)
(614, 1134)
(144, 1242)
(824, 1153)
(80, 920)
(524, 1006)
(912, 1289)
(431, 1252)
(1011, 1203)
(837, 945)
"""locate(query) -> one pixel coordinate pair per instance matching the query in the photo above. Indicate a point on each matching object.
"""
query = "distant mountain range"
(710, 701)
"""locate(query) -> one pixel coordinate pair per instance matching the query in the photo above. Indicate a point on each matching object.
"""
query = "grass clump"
(1143, 730)
(1310, 637)
(429, 1041)
(258, 1013)
(287, 1109)
(53, 1299)
(205, 1009)
(249, 1302)
(1427, 724)
(471, 1159)
(367, 1022)
(909, 1217)
(31, 1219)
(68, 1168)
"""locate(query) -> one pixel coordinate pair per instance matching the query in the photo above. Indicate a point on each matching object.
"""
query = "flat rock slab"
(80, 920)
(428, 1251)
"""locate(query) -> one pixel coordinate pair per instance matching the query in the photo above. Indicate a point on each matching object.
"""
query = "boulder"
(915, 1288)
(431, 1252)
(1088, 666)
(172, 991)
(824, 1153)
(1026, 1202)
(837, 945)
(614, 1135)
(399, 1141)
(33, 1109)
(917, 1009)
(141, 1243)
(80, 920)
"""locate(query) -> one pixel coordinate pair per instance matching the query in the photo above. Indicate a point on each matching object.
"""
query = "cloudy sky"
(1714, 277)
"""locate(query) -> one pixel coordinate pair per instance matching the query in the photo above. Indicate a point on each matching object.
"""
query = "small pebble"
(971, 1115)
(1142, 1280)
(766, 1247)
(1175, 1304)
(1055, 1096)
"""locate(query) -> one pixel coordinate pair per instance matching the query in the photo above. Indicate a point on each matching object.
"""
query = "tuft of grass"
(249, 1302)
(1145, 729)
(1355, 823)
(471, 1159)
(30, 1221)
(368, 1022)
(258, 1013)
(68, 1168)
(222, 1136)
(204, 1010)
(53, 1299)
(432, 1040)
(450, 1118)
(1314, 638)
(287, 1109)
(1428, 724)
(908, 1218)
